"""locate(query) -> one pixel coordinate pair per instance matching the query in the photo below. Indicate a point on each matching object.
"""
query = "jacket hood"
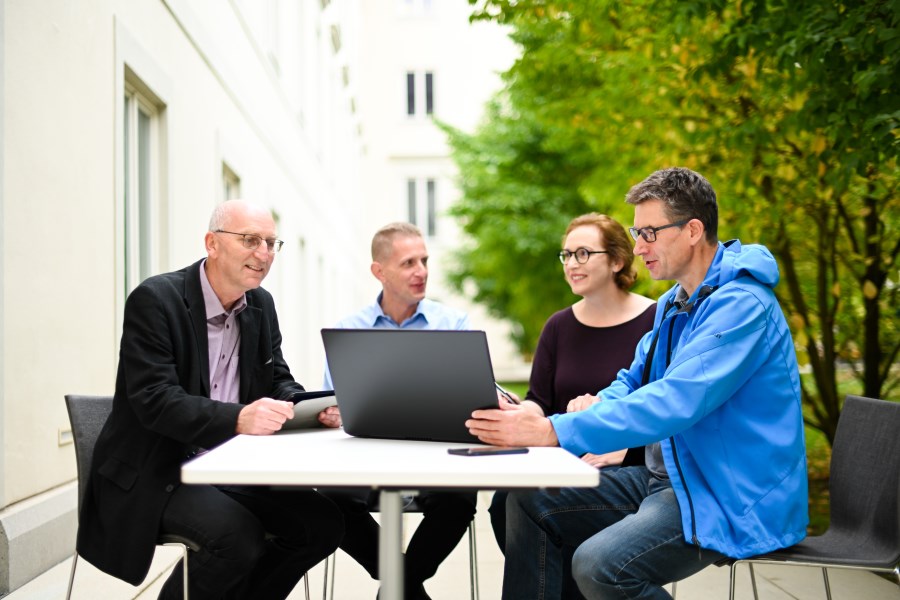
(734, 260)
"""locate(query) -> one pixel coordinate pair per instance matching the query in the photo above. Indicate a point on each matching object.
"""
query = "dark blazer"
(162, 411)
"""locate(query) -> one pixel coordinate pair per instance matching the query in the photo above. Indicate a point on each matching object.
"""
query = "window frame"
(419, 89)
(421, 201)
(136, 72)
(141, 192)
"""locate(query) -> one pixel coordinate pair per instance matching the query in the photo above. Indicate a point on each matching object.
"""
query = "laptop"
(410, 384)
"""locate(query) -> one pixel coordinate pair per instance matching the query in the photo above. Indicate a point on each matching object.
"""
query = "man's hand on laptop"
(330, 417)
(511, 425)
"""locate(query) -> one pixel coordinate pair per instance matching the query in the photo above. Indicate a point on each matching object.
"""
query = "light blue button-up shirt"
(429, 315)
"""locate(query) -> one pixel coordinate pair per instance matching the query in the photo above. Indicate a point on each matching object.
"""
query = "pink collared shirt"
(223, 332)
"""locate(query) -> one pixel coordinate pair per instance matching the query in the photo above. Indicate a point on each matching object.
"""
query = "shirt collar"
(422, 312)
(214, 308)
(681, 298)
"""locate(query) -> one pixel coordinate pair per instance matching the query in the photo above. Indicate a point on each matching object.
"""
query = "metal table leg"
(390, 551)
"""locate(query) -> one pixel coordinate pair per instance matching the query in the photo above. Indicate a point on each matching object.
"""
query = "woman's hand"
(581, 402)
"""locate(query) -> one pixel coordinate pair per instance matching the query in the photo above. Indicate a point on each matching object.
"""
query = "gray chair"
(864, 485)
(409, 506)
(87, 415)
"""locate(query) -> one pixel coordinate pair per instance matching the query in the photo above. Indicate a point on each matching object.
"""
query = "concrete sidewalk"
(452, 580)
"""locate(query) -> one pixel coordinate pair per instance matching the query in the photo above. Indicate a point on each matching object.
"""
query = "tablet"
(306, 412)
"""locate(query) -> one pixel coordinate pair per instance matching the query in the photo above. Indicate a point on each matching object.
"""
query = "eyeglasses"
(581, 255)
(649, 233)
(252, 241)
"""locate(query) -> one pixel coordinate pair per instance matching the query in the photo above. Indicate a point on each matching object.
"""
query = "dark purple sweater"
(572, 359)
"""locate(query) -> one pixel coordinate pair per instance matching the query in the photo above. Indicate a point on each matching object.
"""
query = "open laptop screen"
(410, 384)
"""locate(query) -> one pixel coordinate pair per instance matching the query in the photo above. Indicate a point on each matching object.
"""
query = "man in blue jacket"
(713, 394)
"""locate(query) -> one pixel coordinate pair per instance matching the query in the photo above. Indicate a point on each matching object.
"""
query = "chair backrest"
(865, 471)
(87, 415)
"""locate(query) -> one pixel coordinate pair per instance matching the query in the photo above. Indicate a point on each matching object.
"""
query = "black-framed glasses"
(649, 233)
(581, 255)
(252, 241)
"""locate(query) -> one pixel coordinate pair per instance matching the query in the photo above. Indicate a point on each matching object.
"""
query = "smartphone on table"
(486, 451)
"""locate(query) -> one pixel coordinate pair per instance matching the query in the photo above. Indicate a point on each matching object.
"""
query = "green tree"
(524, 191)
(745, 94)
(819, 97)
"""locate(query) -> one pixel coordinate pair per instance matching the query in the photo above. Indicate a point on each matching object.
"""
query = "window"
(411, 200)
(432, 208)
(429, 93)
(419, 93)
(425, 217)
(231, 183)
(410, 94)
(142, 217)
(141, 177)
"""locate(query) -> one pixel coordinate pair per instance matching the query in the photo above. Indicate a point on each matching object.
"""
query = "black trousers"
(445, 519)
(256, 542)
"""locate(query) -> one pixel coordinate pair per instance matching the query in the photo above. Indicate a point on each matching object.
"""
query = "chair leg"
(674, 589)
(827, 584)
(753, 581)
(732, 580)
(306, 585)
(184, 570)
(332, 559)
(325, 579)
(72, 576)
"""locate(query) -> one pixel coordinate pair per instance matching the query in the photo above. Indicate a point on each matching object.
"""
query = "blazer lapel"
(250, 319)
(193, 300)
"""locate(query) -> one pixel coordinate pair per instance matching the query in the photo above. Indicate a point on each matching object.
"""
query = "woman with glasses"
(583, 347)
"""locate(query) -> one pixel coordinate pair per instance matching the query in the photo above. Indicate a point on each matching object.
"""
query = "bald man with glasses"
(200, 361)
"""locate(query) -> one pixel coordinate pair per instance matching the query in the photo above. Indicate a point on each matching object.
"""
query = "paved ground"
(452, 580)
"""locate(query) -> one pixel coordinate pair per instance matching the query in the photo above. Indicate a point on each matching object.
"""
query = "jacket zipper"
(694, 539)
(687, 492)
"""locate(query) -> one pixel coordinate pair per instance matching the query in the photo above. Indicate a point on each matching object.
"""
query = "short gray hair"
(685, 195)
(219, 216)
(383, 241)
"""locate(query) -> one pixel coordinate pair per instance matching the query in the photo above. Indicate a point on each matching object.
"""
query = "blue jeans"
(626, 535)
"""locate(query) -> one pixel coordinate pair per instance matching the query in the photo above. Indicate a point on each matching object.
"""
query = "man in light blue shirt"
(400, 263)
(427, 314)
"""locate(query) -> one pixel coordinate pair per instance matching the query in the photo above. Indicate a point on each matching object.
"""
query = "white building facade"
(421, 61)
(124, 122)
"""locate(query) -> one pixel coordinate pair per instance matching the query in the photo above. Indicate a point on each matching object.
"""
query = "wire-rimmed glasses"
(252, 241)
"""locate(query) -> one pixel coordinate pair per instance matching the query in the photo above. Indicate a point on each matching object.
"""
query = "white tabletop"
(330, 457)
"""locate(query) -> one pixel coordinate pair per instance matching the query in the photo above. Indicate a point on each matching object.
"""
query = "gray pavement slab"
(774, 582)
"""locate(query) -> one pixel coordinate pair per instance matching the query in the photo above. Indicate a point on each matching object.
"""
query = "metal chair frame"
(87, 415)
(865, 509)
(865, 498)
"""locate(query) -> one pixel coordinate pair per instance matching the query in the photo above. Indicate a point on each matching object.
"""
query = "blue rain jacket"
(723, 398)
